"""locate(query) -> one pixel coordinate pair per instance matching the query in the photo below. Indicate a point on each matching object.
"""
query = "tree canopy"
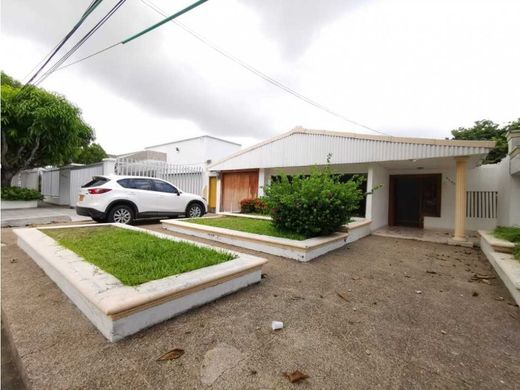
(487, 130)
(90, 154)
(39, 128)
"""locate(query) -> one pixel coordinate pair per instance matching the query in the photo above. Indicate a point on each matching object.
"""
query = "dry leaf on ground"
(170, 355)
(342, 296)
(295, 376)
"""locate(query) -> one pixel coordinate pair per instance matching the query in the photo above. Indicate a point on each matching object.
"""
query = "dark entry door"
(407, 202)
(413, 197)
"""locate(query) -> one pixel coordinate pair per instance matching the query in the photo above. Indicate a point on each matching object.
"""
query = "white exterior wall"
(196, 151)
(509, 195)
(377, 203)
(261, 181)
(481, 178)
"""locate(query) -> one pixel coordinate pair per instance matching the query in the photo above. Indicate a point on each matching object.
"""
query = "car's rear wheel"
(121, 214)
(195, 210)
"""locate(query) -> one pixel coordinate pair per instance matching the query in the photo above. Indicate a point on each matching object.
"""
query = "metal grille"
(481, 204)
(188, 178)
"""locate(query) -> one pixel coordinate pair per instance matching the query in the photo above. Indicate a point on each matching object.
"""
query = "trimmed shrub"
(18, 193)
(253, 206)
(313, 205)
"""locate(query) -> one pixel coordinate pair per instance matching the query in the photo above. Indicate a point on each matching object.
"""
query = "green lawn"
(510, 234)
(249, 225)
(135, 257)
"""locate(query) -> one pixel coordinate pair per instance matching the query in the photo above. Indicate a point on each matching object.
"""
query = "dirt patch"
(456, 333)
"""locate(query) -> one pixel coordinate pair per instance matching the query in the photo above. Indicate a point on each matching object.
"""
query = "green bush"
(510, 234)
(18, 193)
(253, 206)
(313, 205)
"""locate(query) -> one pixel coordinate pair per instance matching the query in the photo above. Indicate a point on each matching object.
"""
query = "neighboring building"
(182, 162)
(196, 151)
(426, 183)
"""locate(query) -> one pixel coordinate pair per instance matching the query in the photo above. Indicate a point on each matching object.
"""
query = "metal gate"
(188, 178)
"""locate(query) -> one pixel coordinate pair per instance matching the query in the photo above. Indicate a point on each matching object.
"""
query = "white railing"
(189, 178)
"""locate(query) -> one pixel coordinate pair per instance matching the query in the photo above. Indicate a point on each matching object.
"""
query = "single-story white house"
(425, 183)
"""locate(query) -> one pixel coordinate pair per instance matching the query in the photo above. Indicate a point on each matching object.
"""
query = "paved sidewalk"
(44, 214)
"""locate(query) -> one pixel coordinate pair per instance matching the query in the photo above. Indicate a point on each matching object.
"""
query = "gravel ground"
(381, 313)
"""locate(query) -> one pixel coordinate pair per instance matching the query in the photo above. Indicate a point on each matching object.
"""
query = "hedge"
(18, 193)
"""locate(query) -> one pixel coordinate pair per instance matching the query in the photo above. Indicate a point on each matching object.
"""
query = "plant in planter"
(313, 205)
(253, 206)
(18, 193)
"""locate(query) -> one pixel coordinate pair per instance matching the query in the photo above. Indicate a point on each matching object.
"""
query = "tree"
(486, 130)
(90, 154)
(39, 128)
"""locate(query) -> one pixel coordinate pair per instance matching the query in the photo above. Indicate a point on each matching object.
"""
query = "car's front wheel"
(195, 210)
(121, 214)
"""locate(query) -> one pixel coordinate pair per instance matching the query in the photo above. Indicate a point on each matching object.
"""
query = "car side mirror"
(178, 193)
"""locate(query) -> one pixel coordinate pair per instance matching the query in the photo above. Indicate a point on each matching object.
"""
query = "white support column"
(460, 199)
(219, 189)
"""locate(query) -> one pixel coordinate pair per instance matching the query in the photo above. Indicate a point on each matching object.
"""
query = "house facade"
(423, 183)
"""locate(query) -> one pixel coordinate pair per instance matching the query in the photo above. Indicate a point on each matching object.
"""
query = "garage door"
(237, 186)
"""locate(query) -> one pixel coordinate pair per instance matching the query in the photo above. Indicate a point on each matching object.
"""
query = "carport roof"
(304, 147)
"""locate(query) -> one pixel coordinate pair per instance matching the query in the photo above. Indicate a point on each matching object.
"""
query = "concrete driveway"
(382, 313)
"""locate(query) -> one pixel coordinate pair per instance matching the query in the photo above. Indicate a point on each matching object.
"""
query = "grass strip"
(510, 234)
(248, 225)
(135, 257)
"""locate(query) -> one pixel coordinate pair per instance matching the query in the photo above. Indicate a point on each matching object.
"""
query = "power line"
(258, 72)
(229, 56)
(131, 38)
(53, 52)
(80, 43)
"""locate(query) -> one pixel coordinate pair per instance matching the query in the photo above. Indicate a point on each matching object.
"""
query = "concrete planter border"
(18, 204)
(506, 266)
(117, 310)
(304, 250)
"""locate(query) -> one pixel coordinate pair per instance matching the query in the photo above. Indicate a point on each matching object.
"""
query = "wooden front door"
(237, 186)
(413, 197)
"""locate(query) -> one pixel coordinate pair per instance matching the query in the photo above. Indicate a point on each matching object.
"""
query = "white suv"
(126, 198)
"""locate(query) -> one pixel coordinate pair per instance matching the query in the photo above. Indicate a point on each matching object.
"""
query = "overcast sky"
(406, 68)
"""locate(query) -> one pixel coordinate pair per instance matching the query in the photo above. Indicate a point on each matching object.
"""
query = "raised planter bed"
(119, 310)
(499, 254)
(301, 250)
(18, 204)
